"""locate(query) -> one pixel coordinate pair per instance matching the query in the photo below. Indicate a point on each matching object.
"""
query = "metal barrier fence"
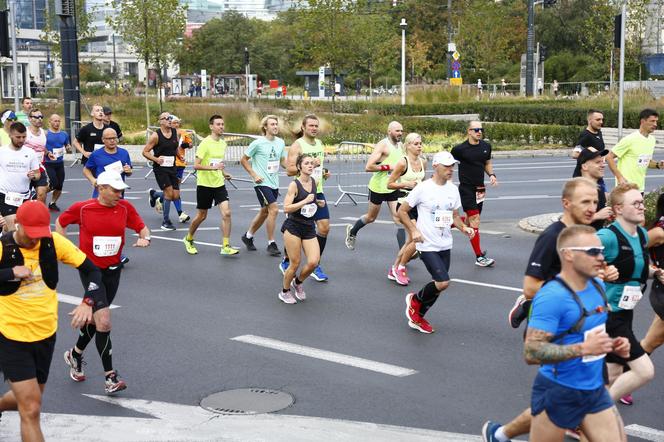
(350, 160)
(74, 127)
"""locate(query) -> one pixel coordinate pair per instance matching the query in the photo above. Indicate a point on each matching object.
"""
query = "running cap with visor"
(113, 179)
(35, 219)
(444, 158)
(590, 153)
(8, 115)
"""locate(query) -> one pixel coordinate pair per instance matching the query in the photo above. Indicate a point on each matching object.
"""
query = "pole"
(403, 61)
(246, 72)
(115, 68)
(530, 48)
(621, 85)
(537, 56)
(12, 28)
(613, 51)
(448, 56)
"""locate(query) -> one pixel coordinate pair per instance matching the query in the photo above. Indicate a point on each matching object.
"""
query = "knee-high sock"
(105, 349)
(427, 296)
(401, 237)
(167, 210)
(358, 225)
(85, 335)
(178, 205)
(322, 240)
(475, 243)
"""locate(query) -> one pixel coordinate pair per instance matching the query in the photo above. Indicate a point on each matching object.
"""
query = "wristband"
(88, 301)
(385, 167)
(492, 175)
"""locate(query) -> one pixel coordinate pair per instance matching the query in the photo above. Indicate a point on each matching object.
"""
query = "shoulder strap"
(578, 325)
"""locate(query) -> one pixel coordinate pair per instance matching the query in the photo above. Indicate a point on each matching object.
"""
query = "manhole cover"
(247, 401)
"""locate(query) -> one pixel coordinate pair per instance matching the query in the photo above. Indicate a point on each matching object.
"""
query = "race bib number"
(480, 194)
(273, 166)
(442, 219)
(643, 160)
(308, 210)
(98, 146)
(59, 152)
(214, 162)
(40, 156)
(114, 167)
(631, 296)
(169, 161)
(14, 199)
(103, 246)
(318, 173)
(591, 358)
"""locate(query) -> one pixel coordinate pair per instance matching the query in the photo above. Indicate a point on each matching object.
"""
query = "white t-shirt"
(14, 168)
(434, 204)
(37, 143)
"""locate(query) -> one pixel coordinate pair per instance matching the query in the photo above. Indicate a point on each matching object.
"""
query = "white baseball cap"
(112, 179)
(444, 158)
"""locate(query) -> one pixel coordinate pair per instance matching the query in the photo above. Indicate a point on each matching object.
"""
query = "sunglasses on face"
(590, 251)
(477, 129)
(37, 117)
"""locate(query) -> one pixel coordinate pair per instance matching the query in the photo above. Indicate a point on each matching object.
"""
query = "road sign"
(456, 55)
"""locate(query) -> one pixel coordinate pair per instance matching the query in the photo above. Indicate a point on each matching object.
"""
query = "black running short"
(619, 324)
(205, 196)
(6, 209)
(380, 198)
(412, 213)
(469, 195)
(56, 175)
(41, 182)
(167, 177)
(438, 264)
(301, 230)
(20, 361)
(110, 277)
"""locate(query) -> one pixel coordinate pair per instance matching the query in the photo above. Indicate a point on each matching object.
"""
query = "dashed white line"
(645, 432)
(484, 284)
(75, 300)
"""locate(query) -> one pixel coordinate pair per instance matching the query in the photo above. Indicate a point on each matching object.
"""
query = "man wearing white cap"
(437, 201)
(7, 118)
(102, 226)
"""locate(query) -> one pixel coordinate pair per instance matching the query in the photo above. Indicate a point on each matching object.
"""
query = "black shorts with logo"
(20, 361)
(205, 196)
(167, 177)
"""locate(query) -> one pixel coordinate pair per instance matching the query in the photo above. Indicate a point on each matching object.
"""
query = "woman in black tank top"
(299, 230)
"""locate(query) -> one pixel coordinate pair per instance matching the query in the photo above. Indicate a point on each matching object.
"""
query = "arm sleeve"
(545, 314)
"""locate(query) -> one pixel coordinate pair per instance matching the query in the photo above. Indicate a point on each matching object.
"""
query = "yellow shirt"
(4, 137)
(31, 313)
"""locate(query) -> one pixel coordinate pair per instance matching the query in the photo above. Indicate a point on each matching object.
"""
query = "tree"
(51, 31)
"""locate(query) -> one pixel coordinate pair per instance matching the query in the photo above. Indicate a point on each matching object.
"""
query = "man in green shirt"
(22, 115)
(210, 186)
(261, 160)
(634, 152)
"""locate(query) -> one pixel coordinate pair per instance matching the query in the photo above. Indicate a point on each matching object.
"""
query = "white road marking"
(75, 300)
(484, 284)
(645, 432)
(166, 238)
(325, 355)
(523, 197)
(132, 197)
(380, 221)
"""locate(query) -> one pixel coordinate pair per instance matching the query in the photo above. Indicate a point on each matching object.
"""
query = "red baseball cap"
(33, 216)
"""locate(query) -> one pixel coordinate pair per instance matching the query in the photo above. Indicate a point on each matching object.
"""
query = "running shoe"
(401, 277)
(489, 431)
(159, 207)
(287, 297)
(627, 399)
(412, 308)
(519, 311)
(391, 275)
(124, 259)
(283, 266)
(54, 207)
(319, 275)
(229, 251)
(153, 198)
(184, 217)
(350, 239)
(114, 384)
(189, 246)
(167, 225)
(422, 326)
(298, 291)
(248, 242)
(272, 249)
(75, 366)
(483, 261)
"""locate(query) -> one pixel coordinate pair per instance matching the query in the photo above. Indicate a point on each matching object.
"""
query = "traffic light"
(617, 25)
(246, 56)
(4, 34)
(542, 53)
(549, 3)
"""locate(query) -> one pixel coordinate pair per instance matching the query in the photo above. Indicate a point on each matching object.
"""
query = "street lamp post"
(12, 28)
(403, 26)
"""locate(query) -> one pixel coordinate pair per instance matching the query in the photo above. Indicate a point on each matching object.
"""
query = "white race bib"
(442, 219)
(59, 152)
(214, 162)
(308, 210)
(169, 161)
(14, 199)
(318, 173)
(273, 166)
(98, 146)
(40, 156)
(103, 246)
(592, 358)
(114, 167)
(631, 296)
(643, 160)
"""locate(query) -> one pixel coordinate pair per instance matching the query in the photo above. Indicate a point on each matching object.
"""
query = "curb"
(536, 224)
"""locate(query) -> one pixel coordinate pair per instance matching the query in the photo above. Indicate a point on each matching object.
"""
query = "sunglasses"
(590, 251)
(37, 117)
(477, 129)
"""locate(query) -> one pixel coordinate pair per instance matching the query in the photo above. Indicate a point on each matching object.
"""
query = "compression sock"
(401, 237)
(427, 296)
(358, 225)
(178, 205)
(475, 243)
(167, 210)
(85, 335)
(322, 240)
(105, 349)
(227, 242)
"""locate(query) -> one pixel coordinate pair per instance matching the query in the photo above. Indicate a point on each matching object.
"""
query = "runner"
(109, 158)
(57, 143)
(184, 142)
(29, 308)
(437, 202)
(381, 161)
(625, 243)
(161, 149)
(23, 114)
(7, 118)
(566, 336)
(211, 187)
(474, 156)
(266, 154)
(102, 221)
(36, 140)
(591, 162)
(591, 136)
(408, 172)
(89, 138)
(309, 144)
(19, 166)
(108, 113)
(299, 229)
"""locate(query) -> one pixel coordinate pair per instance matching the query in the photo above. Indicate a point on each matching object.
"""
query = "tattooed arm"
(538, 348)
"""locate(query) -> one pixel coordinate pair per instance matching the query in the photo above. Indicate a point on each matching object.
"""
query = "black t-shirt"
(89, 136)
(113, 125)
(588, 139)
(544, 262)
(472, 159)
(601, 203)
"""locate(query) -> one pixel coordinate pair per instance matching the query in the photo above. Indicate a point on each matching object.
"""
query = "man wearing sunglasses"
(36, 140)
(474, 157)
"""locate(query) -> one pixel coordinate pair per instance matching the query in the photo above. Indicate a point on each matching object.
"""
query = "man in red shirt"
(102, 227)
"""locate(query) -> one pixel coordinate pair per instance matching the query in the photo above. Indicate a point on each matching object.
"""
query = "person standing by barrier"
(261, 160)
(184, 142)
(211, 186)
(385, 155)
(309, 144)
(299, 229)
(89, 138)
(57, 143)
(36, 140)
(474, 156)
(408, 172)
(160, 150)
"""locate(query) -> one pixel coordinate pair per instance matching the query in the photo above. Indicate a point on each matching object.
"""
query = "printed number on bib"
(98, 146)
(591, 358)
(214, 162)
(169, 161)
(103, 246)
(272, 166)
(442, 219)
(643, 160)
(480, 194)
(14, 199)
(114, 167)
(318, 173)
(308, 210)
(59, 152)
(40, 156)
(631, 296)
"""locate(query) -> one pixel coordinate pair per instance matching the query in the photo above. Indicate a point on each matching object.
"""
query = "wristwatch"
(88, 301)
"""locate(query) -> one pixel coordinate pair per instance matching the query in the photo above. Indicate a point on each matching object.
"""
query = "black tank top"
(166, 147)
(301, 195)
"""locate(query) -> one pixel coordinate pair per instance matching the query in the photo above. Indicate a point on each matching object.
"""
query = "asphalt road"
(172, 334)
